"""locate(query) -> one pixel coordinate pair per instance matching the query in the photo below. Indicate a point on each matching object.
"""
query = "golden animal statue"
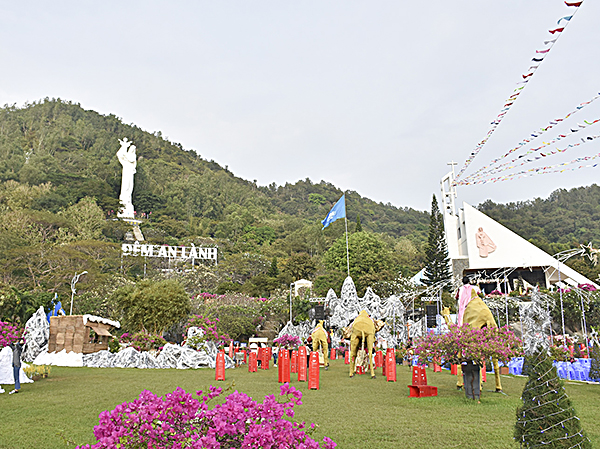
(362, 332)
(319, 340)
(477, 314)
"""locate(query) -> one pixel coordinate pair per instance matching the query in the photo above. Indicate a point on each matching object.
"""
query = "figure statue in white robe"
(128, 159)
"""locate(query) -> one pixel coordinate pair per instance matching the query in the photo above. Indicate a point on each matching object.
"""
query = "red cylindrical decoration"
(263, 354)
(313, 371)
(253, 362)
(284, 363)
(220, 368)
(302, 364)
(231, 350)
(390, 365)
(245, 353)
(378, 359)
(572, 350)
(360, 369)
(259, 355)
(333, 355)
(294, 361)
(347, 357)
(280, 365)
(483, 373)
(453, 369)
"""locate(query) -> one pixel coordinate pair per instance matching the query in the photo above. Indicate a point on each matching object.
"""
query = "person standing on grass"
(472, 379)
(17, 349)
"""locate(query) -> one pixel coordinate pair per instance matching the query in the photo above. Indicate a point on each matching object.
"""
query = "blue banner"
(337, 211)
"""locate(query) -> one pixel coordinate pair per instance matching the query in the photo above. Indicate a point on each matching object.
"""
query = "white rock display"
(127, 358)
(347, 307)
(37, 333)
(6, 369)
(100, 359)
(61, 358)
(171, 356)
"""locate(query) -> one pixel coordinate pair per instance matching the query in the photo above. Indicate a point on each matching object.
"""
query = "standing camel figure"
(363, 330)
(474, 312)
(319, 340)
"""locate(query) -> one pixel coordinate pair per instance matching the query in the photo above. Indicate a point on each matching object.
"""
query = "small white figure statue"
(128, 159)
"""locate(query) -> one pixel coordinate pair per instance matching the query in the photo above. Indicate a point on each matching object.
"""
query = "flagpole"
(347, 252)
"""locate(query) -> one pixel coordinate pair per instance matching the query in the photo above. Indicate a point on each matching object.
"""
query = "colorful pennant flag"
(526, 79)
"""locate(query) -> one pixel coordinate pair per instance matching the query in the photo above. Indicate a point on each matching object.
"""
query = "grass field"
(359, 412)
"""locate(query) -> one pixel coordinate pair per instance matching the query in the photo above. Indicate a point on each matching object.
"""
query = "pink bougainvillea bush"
(9, 333)
(143, 341)
(287, 340)
(464, 343)
(178, 420)
(209, 327)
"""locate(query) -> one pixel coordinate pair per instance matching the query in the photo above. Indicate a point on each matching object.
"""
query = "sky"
(374, 97)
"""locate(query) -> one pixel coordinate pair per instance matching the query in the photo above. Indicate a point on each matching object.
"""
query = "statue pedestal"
(126, 212)
(137, 232)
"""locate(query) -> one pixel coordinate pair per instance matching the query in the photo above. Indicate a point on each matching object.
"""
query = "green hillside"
(60, 182)
(59, 188)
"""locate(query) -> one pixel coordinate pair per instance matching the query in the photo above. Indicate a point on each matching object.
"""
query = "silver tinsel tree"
(536, 324)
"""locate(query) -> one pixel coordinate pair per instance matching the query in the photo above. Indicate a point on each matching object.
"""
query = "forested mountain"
(60, 183)
(58, 164)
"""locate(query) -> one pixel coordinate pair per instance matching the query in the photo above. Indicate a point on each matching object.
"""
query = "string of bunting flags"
(556, 168)
(537, 60)
(490, 169)
(545, 154)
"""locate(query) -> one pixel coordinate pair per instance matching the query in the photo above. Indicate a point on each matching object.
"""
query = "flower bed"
(37, 372)
(178, 420)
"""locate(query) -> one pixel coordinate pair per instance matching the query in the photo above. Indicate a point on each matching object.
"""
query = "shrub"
(286, 340)
(114, 345)
(153, 306)
(209, 327)
(9, 333)
(179, 420)
(143, 341)
(466, 343)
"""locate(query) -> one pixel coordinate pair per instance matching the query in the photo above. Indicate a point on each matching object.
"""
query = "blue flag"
(337, 211)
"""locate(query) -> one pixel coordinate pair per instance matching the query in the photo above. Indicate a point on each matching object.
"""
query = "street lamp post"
(73, 291)
(291, 285)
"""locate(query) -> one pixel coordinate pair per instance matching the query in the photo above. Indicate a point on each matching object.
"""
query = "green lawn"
(358, 412)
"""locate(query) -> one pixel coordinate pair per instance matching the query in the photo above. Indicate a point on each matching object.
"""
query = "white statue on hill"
(128, 159)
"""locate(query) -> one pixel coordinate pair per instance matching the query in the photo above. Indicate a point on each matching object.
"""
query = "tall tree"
(358, 224)
(437, 266)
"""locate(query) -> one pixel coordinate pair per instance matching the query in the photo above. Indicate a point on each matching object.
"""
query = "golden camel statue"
(362, 331)
(319, 340)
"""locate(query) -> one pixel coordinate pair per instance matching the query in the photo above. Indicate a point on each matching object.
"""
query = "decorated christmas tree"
(547, 417)
(595, 362)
